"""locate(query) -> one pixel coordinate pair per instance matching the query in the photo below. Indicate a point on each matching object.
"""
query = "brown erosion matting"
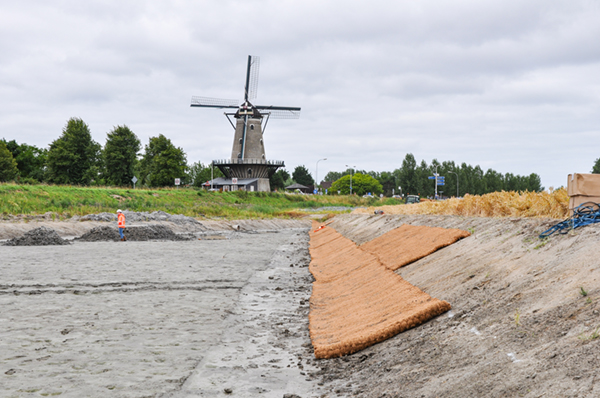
(408, 243)
(356, 301)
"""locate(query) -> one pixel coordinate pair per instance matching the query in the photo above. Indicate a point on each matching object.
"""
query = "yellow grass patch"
(551, 204)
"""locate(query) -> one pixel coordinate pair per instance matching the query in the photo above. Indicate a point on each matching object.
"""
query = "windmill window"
(261, 141)
(249, 172)
(251, 127)
(240, 141)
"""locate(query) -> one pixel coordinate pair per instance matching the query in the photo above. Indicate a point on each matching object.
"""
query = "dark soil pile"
(143, 216)
(42, 236)
(137, 233)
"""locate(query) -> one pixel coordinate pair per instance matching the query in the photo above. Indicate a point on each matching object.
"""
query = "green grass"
(67, 201)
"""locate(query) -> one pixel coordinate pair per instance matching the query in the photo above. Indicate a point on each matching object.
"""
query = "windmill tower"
(248, 159)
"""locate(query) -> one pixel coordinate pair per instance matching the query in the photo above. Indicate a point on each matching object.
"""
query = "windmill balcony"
(278, 163)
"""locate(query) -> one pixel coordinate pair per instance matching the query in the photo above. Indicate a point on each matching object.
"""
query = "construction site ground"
(227, 315)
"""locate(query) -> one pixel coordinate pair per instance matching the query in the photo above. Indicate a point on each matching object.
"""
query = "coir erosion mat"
(409, 243)
(356, 300)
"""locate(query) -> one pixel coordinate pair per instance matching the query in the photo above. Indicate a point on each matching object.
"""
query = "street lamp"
(351, 175)
(317, 173)
(456, 182)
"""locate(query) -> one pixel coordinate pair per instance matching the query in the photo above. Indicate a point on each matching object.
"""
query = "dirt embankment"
(521, 324)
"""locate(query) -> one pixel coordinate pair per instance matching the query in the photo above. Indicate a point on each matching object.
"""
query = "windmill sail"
(208, 102)
(252, 77)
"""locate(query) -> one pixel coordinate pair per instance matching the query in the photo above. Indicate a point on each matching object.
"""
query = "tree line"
(75, 158)
(412, 179)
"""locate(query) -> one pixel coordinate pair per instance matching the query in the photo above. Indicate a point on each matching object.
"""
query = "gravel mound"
(42, 236)
(133, 216)
(135, 233)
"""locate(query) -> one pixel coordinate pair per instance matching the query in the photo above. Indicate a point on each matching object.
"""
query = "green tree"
(596, 168)
(162, 163)
(534, 183)
(120, 156)
(278, 179)
(302, 176)
(333, 176)
(74, 157)
(388, 182)
(407, 175)
(199, 174)
(8, 164)
(31, 160)
(361, 184)
(494, 181)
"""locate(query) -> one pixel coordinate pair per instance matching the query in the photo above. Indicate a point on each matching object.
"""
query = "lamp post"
(212, 166)
(351, 175)
(317, 174)
(456, 182)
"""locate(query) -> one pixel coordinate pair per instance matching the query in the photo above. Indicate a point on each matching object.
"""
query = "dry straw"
(356, 300)
(551, 204)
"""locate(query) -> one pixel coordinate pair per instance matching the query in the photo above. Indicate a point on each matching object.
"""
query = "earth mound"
(133, 216)
(42, 236)
(136, 233)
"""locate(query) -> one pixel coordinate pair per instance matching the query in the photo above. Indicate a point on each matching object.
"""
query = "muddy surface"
(157, 319)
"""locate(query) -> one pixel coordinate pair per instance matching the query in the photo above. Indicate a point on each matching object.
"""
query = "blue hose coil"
(585, 214)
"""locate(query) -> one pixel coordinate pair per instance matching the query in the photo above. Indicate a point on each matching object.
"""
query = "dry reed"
(550, 204)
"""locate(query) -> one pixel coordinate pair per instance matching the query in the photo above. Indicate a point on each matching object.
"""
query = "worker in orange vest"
(121, 218)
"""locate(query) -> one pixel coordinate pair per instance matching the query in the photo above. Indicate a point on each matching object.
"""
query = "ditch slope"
(520, 323)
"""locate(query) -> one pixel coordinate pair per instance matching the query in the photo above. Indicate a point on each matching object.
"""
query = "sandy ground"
(226, 317)
(149, 319)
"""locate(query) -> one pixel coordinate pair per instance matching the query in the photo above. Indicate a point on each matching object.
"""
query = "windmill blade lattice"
(282, 114)
(254, 66)
(209, 102)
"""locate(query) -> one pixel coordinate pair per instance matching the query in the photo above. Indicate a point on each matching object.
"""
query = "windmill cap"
(119, 211)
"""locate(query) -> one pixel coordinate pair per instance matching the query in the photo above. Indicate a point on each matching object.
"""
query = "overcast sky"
(508, 85)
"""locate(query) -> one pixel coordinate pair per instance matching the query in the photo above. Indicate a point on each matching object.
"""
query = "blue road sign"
(441, 183)
(431, 178)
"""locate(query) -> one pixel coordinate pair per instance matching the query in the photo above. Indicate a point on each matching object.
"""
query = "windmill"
(248, 159)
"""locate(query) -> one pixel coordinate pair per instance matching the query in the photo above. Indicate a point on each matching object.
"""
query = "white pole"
(212, 166)
(317, 173)
(351, 175)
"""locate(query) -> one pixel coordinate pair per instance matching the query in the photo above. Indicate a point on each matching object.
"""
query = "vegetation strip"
(67, 201)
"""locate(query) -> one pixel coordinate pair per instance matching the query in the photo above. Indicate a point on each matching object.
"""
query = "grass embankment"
(67, 201)
(551, 204)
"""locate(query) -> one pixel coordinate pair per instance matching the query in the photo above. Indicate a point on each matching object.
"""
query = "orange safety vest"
(121, 217)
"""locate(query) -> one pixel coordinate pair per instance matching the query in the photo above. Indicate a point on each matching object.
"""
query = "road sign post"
(134, 180)
(439, 181)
